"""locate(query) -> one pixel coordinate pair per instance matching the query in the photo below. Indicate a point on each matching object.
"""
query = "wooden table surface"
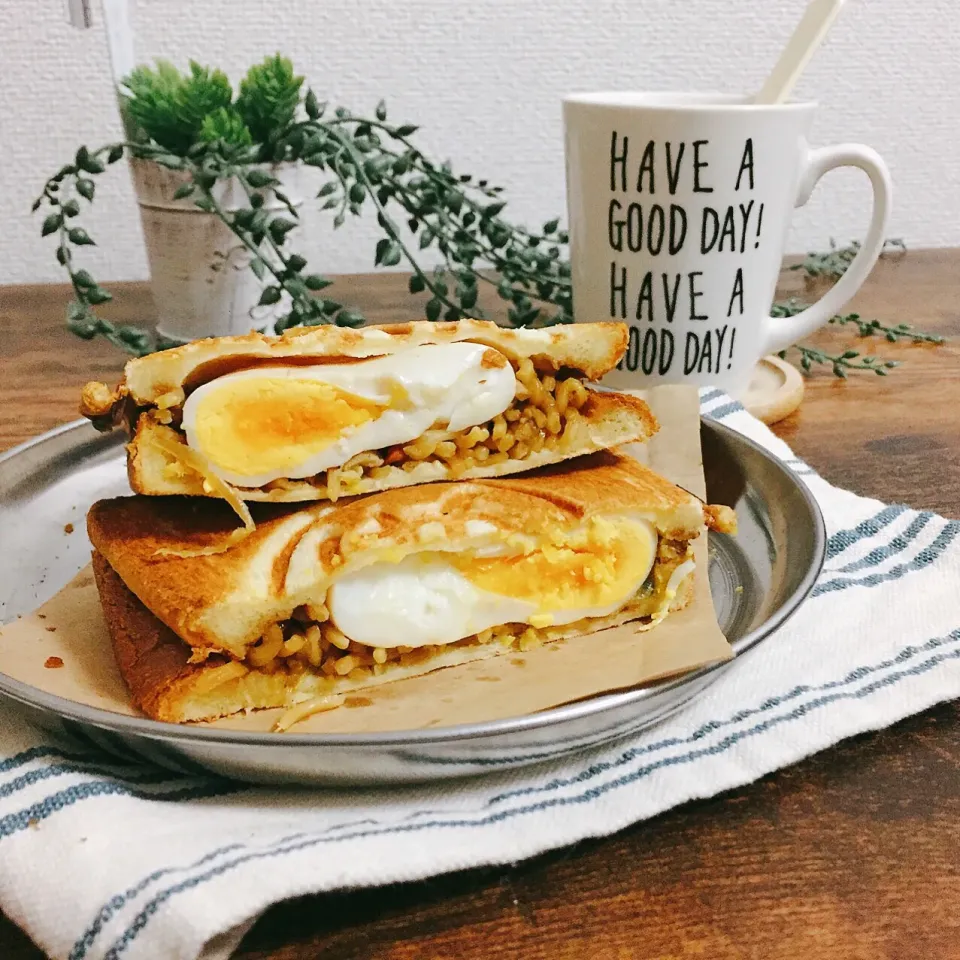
(853, 853)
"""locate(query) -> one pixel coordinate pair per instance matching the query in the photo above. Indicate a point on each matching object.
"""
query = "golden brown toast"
(590, 350)
(223, 602)
(552, 418)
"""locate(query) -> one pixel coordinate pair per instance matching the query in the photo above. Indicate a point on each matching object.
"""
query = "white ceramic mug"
(679, 207)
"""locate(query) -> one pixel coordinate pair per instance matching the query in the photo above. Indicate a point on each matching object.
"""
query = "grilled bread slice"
(329, 598)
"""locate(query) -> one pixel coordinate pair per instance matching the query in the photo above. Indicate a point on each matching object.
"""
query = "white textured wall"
(484, 79)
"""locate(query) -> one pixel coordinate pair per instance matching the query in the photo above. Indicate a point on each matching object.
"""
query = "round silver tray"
(758, 579)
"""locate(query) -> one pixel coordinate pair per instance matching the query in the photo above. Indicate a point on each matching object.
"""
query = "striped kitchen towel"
(105, 859)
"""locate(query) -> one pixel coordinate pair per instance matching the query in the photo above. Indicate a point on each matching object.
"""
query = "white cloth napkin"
(102, 859)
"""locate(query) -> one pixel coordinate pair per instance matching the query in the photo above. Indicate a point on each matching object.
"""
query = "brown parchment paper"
(70, 627)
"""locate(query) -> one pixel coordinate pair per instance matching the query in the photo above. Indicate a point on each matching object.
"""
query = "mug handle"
(783, 332)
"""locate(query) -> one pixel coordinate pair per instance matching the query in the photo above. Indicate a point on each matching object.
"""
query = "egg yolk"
(256, 425)
(592, 568)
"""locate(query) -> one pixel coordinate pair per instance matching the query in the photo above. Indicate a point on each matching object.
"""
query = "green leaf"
(92, 165)
(259, 270)
(85, 188)
(295, 263)
(433, 308)
(382, 110)
(270, 296)
(550, 226)
(51, 224)
(406, 130)
(505, 290)
(331, 306)
(311, 105)
(36, 205)
(226, 131)
(416, 283)
(83, 279)
(452, 314)
(338, 220)
(116, 152)
(97, 295)
(388, 253)
(468, 298)
(426, 238)
(315, 282)
(169, 106)
(280, 227)
(80, 322)
(260, 178)
(183, 191)
(80, 237)
(329, 187)
(171, 162)
(257, 201)
(204, 203)
(63, 256)
(357, 193)
(268, 98)
(349, 318)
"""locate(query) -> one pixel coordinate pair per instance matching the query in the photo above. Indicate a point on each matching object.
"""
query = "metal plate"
(758, 579)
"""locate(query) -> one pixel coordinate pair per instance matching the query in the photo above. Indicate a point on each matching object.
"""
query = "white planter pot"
(199, 271)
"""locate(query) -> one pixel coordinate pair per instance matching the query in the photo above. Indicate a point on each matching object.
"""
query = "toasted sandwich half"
(323, 412)
(328, 599)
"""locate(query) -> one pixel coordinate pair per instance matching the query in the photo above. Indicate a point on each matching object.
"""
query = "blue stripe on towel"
(108, 910)
(710, 396)
(870, 527)
(897, 545)
(149, 776)
(15, 822)
(41, 753)
(923, 559)
(724, 410)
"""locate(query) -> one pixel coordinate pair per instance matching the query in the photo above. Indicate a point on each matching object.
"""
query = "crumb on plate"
(53, 663)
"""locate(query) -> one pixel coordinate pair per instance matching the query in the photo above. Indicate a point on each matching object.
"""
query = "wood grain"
(853, 853)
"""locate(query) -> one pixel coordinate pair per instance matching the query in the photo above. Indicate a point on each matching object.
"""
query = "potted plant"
(217, 174)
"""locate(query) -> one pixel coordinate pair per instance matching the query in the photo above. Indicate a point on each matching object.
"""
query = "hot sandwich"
(320, 413)
(334, 598)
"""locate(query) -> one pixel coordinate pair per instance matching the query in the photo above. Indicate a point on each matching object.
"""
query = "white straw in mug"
(116, 20)
(809, 34)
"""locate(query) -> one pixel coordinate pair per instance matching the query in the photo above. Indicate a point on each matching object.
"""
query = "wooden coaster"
(775, 391)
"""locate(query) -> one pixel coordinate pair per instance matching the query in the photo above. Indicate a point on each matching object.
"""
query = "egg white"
(424, 600)
(446, 384)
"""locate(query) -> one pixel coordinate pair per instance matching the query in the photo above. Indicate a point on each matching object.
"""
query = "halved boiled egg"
(435, 597)
(291, 422)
